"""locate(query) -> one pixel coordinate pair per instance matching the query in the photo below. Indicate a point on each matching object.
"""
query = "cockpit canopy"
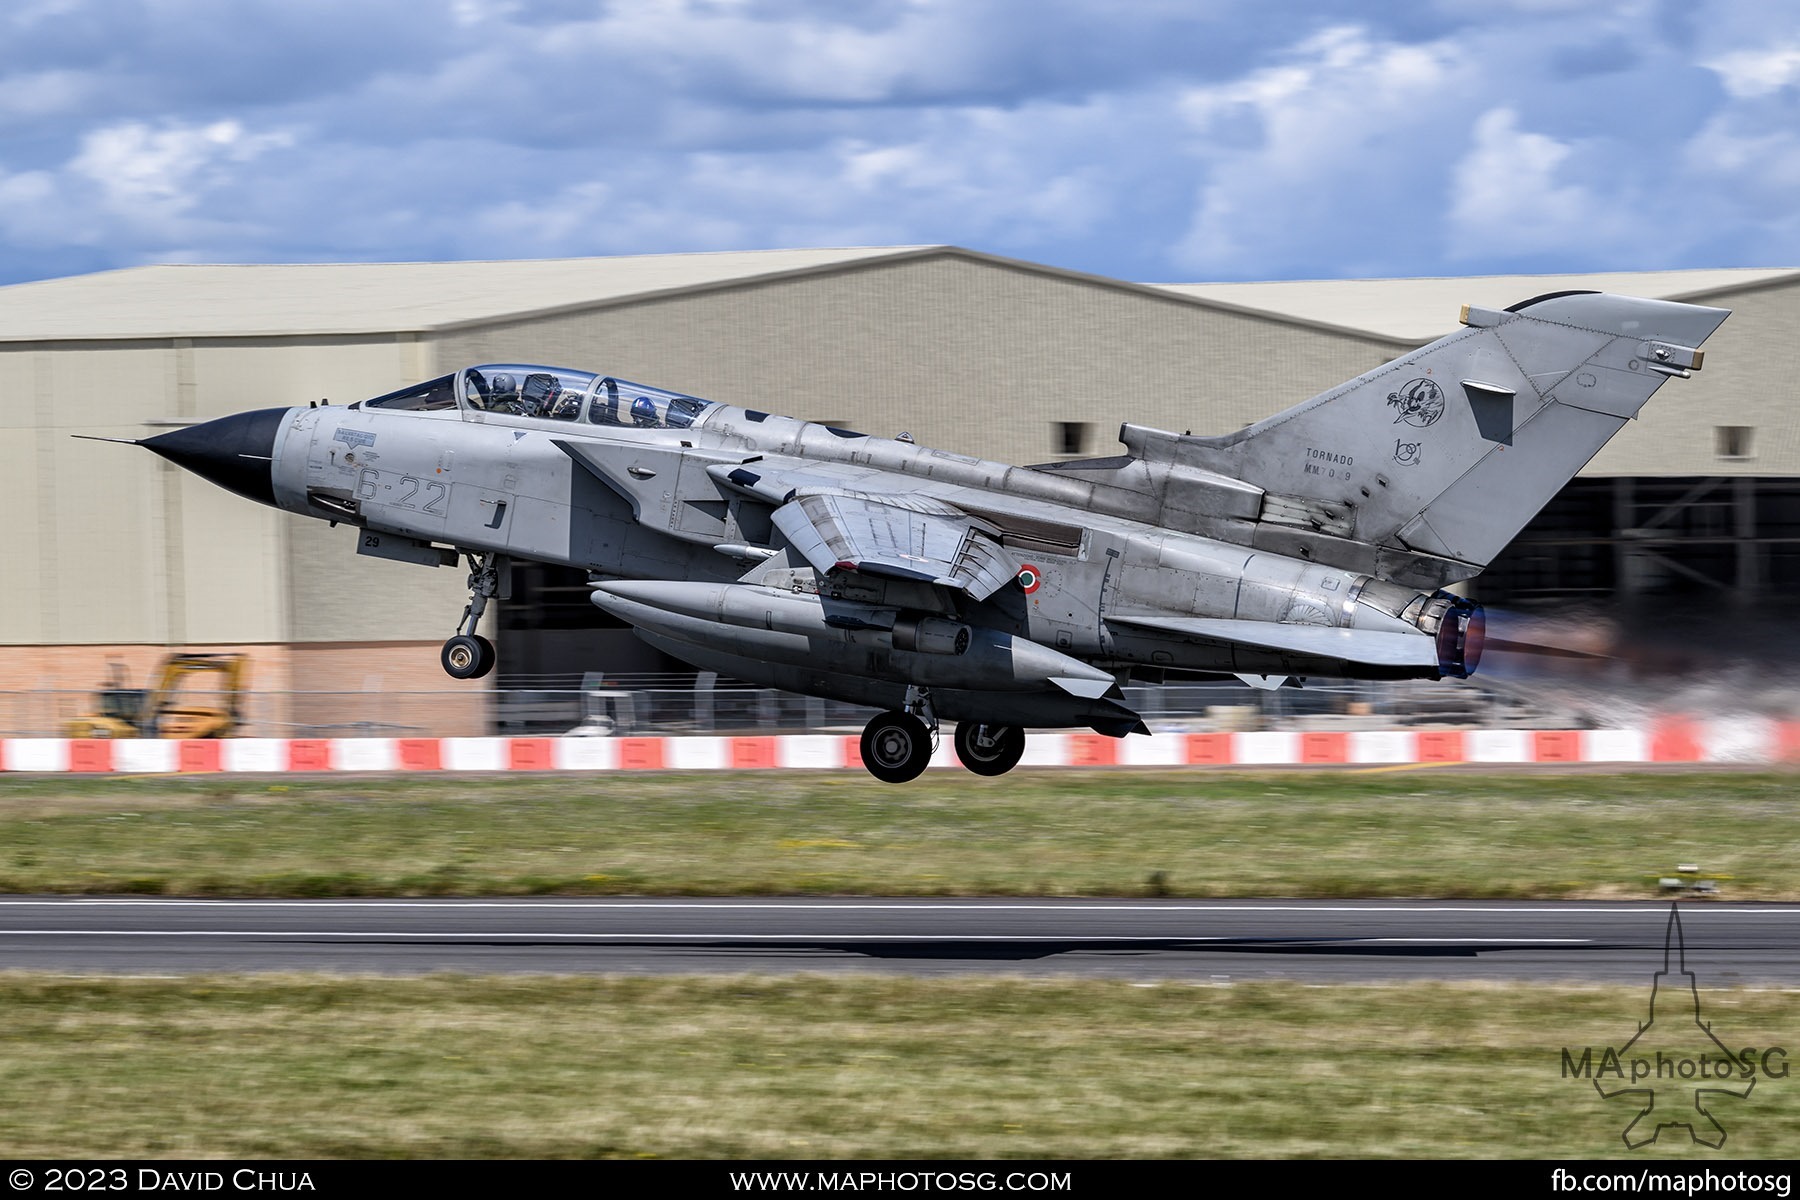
(551, 394)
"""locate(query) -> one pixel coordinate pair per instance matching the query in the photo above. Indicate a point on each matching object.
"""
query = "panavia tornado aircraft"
(933, 586)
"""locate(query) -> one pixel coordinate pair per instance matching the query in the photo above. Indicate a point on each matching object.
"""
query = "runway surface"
(1203, 941)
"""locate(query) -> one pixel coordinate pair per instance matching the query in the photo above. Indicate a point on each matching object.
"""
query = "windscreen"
(420, 397)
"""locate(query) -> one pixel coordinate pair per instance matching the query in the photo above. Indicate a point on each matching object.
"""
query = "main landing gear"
(897, 745)
(989, 749)
(468, 655)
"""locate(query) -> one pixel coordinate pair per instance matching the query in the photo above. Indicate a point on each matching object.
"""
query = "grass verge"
(1051, 833)
(830, 1067)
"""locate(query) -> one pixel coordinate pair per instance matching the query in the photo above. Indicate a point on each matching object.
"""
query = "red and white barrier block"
(1671, 741)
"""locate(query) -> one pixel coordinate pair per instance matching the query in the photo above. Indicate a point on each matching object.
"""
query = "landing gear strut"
(468, 655)
(897, 745)
(989, 749)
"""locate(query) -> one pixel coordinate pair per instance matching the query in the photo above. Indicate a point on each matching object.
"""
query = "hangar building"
(117, 555)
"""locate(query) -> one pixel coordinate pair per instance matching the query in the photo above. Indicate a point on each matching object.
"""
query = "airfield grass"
(1346, 833)
(835, 1067)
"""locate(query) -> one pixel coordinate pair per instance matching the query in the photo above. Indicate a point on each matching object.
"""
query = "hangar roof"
(1419, 310)
(284, 299)
(322, 299)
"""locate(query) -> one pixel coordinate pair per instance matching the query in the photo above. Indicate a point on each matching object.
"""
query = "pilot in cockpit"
(503, 394)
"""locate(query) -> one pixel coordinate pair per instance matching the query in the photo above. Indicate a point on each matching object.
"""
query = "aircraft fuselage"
(636, 503)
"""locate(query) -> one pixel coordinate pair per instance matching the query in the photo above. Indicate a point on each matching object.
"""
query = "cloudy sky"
(1161, 140)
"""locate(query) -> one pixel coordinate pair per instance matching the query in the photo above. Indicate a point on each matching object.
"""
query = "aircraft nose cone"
(235, 452)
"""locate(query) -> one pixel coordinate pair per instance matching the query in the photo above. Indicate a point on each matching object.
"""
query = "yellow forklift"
(194, 696)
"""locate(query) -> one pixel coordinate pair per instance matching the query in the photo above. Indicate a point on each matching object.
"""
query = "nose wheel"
(989, 749)
(468, 655)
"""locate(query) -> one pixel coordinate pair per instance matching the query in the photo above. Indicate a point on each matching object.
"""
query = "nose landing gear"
(468, 655)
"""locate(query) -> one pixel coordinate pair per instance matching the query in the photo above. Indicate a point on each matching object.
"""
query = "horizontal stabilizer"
(1365, 646)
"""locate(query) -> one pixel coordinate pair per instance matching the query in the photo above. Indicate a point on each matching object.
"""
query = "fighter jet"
(1318, 543)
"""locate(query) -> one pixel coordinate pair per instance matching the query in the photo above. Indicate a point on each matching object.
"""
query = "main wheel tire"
(467, 656)
(989, 749)
(896, 747)
(489, 656)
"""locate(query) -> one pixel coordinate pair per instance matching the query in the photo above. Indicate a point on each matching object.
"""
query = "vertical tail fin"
(1443, 455)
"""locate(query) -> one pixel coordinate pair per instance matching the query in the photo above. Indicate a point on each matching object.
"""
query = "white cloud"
(479, 12)
(798, 55)
(161, 173)
(1350, 130)
(1748, 74)
(1508, 197)
(1758, 167)
(868, 167)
